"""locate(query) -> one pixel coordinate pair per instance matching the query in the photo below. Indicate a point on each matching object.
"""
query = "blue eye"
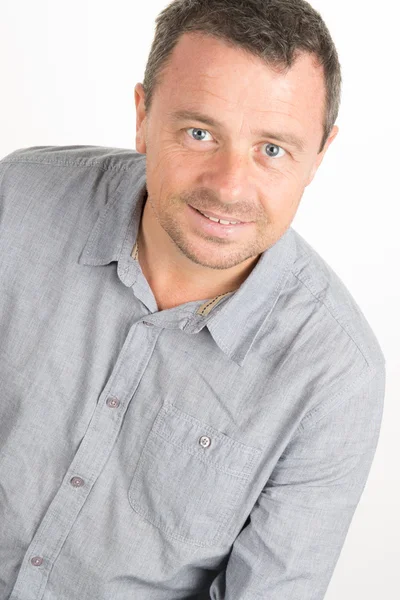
(198, 134)
(274, 151)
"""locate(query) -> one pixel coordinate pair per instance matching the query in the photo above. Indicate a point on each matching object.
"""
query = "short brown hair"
(274, 30)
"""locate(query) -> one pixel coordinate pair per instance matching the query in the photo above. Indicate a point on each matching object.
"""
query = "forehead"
(207, 72)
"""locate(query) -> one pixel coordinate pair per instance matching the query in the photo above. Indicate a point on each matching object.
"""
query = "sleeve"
(292, 540)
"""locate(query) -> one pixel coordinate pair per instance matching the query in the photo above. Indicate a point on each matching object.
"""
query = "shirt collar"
(243, 314)
(119, 215)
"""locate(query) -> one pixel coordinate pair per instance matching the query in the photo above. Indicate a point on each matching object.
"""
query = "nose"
(229, 174)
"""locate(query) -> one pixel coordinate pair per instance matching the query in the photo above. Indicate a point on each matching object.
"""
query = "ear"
(140, 119)
(320, 156)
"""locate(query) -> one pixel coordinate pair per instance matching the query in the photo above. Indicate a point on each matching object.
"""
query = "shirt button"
(112, 402)
(204, 441)
(148, 324)
(36, 561)
(77, 482)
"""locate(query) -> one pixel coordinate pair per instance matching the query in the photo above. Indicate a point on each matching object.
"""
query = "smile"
(217, 227)
(220, 220)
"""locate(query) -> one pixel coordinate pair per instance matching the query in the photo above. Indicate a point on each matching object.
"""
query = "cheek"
(168, 173)
(285, 181)
(283, 190)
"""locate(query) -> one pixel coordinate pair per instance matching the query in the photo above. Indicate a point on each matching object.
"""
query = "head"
(236, 112)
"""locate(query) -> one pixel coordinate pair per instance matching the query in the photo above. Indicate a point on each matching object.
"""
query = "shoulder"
(318, 280)
(50, 176)
(48, 170)
(328, 342)
(99, 157)
(45, 188)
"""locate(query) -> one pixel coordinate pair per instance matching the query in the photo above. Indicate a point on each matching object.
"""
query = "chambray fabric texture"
(217, 449)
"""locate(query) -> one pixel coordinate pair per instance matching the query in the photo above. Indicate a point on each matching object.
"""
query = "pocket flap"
(205, 442)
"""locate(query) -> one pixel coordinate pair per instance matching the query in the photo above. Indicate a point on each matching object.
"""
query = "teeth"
(220, 220)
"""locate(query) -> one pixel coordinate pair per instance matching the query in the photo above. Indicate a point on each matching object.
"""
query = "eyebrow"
(288, 138)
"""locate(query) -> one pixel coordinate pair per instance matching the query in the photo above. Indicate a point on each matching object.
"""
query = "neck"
(173, 278)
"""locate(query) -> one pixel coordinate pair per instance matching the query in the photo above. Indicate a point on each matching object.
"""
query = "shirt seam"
(86, 164)
(3, 173)
(333, 316)
(314, 416)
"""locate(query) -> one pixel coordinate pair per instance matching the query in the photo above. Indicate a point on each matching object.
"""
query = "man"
(192, 399)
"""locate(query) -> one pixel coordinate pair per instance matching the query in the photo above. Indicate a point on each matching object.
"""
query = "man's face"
(231, 137)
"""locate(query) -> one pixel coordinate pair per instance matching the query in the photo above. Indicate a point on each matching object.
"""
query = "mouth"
(223, 220)
(217, 227)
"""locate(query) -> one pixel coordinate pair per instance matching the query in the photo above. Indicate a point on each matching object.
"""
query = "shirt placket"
(88, 462)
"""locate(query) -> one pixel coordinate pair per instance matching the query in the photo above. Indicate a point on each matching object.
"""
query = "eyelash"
(266, 144)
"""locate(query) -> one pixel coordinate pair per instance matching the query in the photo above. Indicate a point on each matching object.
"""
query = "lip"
(211, 214)
(215, 229)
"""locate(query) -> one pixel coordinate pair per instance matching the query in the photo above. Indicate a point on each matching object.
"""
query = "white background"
(68, 71)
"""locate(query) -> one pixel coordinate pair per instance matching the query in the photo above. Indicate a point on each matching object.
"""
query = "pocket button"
(204, 441)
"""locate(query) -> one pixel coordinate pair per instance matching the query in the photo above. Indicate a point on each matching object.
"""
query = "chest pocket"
(191, 478)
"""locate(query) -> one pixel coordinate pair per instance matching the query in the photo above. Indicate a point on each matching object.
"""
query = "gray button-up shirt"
(217, 449)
